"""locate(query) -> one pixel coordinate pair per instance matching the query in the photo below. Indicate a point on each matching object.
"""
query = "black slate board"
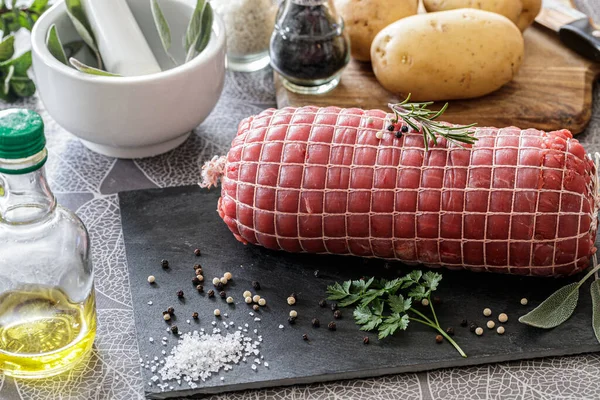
(171, 223)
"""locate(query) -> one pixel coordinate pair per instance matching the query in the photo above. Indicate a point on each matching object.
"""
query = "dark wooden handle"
(580, 36)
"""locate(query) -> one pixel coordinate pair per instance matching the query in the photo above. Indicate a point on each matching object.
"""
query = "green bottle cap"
(21, 134)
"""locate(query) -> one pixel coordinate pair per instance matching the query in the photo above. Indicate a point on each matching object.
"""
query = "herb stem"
(432, 310)
(420, 314)
(444, 334)
(587, 276)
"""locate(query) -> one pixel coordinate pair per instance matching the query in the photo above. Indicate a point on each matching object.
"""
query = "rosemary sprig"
(419, 117)
(388, 306)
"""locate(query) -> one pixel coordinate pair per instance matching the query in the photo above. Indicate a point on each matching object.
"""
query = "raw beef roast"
(319, 180)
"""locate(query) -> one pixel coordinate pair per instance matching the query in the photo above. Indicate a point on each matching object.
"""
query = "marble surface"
(87, 183)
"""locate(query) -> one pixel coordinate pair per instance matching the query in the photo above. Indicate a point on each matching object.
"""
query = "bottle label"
(309, 2)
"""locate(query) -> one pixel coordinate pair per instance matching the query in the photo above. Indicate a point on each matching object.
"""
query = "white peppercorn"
(216, 281)
(491, 324)
(151, 279)
(228, 276)
(487, 312)
(262, 302)
(291, 301)
(229, 300)
(293, 314)
(503, 317)
(217, 312)
(524, 301)
(256, 298)
(248, 300)
(479, 331)
(247, 294)
(500, 330)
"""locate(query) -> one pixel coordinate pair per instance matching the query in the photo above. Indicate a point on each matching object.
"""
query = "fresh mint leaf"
(21, 63)
(39, 6)
(7, 48)
(22, 87)
(25, 20)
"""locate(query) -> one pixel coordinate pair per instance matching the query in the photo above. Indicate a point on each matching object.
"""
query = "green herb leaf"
(39, 6)
(199, 30)
(595, 290)
(392, 323)
(415, 276)
(55, 46)
(82, 26)
(162, 26)
(22, 87)
(337, 291)
(7, 79)
(432, 280)
(72, 48)
(398, 304)
(21, 63)
(7, 48)
(371, 295)
(555, 310)
(393, 285)
(368, 317)
(81, 67)
(25, 20)
(419, 292)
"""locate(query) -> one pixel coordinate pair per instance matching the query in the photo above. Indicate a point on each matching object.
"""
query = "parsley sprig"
(387, 305)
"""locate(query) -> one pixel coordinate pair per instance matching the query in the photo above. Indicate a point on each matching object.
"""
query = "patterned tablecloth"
(88, 183)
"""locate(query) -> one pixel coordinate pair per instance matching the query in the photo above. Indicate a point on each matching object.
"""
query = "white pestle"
(121, 43)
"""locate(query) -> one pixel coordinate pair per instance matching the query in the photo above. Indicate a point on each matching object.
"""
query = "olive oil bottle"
(47, 303)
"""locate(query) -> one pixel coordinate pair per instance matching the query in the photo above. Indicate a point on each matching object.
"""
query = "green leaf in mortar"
(199, 30)
(82, 25)
(555, 310)
(595, 290)
(22, 87)
(21, 63)
(55, 46)
(81, 67)
(72, 48)
(9, 75)
(162, 26)
(7, 48)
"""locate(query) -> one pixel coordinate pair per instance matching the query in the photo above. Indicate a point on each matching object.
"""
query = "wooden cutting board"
(553, 90)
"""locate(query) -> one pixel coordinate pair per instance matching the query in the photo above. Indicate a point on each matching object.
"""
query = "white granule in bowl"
(198, 355)
(248, 23)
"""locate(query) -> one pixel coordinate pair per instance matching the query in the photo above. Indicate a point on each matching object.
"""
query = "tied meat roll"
(325, 180)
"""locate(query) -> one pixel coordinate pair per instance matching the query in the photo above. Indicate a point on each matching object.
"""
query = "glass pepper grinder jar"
(47, 303)
(309, 47)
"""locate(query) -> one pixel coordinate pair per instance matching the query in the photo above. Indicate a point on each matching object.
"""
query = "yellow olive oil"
(43, 333)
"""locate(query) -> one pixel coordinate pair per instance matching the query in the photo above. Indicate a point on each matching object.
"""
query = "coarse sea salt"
(198, 355)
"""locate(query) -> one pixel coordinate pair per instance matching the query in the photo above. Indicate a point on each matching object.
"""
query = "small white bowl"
(131, 117)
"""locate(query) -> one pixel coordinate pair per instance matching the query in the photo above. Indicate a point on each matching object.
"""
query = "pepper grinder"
(121, 43)
(309, 48)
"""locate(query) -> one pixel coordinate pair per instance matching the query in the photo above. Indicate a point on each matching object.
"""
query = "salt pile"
(198, 355)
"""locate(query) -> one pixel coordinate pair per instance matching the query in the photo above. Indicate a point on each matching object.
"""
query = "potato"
(531, 8)
(365, 18)
(511, 9)
(457, 54)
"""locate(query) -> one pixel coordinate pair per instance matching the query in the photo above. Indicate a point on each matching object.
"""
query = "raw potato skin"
(531, 8)
(365, 18)
(457, 54)
(511, 9)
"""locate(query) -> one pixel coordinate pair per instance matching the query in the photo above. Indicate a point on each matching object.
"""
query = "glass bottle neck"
(25, 197)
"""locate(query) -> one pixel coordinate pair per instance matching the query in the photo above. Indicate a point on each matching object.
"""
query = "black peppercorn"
(195, 281)
(398, 134)
(334, 306)
(292, 320)
(450, 331)
(331, 326)
(211, 293)
(171, 310)
(463, 323)
(164, 264)
(256, 285)
(200, 288)
(390, 128)
(305, 337)
(174, 329)
(222, 294)
(180, 294)
(472, 327)
(337, 314)
(316, 323)
(437, 300)
(195, 315)
(404, 129)
(439, 339)
(197, 252)
(219, 286)
(323, 303)
(255, 307)
(366, 340)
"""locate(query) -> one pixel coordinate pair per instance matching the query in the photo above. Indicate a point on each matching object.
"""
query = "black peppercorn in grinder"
(309, 47)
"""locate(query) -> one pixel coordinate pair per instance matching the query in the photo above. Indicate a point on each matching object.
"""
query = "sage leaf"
(162, 26)
(22, 87)
(82, 26)
(555, 310)
(595, 290)
(7, 48)
(199, 30)
(9, 75)
(21, 63)
(55, 46)
(81, 67)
